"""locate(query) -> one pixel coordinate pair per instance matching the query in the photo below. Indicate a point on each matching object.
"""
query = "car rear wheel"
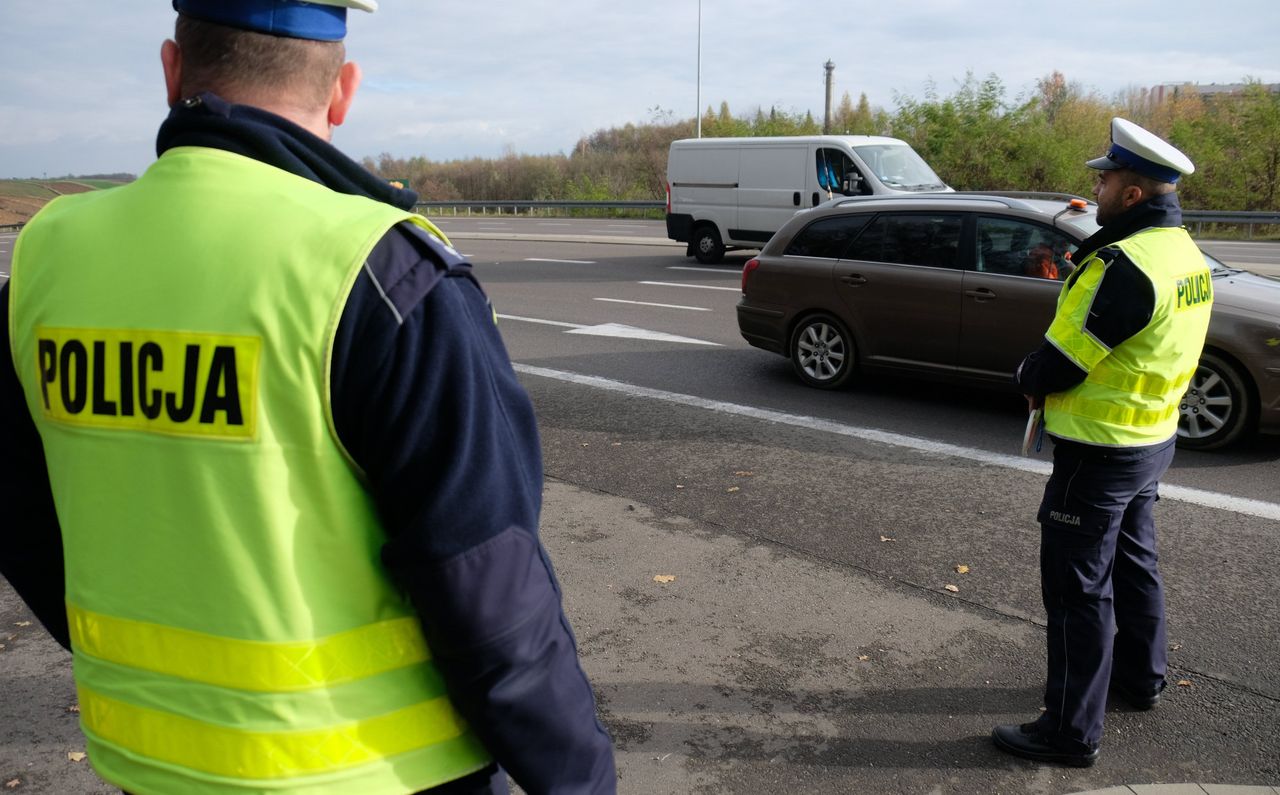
(707, 245)
(822, 352)
(1216, 409)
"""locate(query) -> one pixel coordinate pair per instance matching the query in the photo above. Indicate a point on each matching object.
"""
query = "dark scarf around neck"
(1161, 211)
(210, 121)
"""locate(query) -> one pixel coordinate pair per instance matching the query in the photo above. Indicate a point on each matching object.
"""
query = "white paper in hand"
(1032, 435)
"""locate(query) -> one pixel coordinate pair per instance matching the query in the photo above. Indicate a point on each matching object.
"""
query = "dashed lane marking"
(565, 261)
(721, 271)
(649, 303)
(1208, 499)
(693, 286)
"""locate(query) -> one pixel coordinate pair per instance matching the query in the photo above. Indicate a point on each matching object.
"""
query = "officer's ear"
(171, 59)
(1132, 195)
(344, 91)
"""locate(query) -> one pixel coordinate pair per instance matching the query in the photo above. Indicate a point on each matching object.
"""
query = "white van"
(736, 192)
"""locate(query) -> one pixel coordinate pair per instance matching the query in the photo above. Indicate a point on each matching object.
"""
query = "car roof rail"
(1027, 194)
(994, 197)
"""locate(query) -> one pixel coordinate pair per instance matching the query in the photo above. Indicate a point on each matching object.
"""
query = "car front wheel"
(822, 352)
(1216, 409)
(707, 245)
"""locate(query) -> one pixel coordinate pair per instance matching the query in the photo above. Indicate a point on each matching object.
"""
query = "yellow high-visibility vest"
(1130, 396)
(232, 625)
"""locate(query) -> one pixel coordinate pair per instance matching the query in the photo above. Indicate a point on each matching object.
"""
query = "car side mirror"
(852, 184)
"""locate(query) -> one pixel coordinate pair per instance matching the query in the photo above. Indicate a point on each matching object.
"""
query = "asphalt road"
(808, 641)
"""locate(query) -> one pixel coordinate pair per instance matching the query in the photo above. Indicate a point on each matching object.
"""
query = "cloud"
(451, 80)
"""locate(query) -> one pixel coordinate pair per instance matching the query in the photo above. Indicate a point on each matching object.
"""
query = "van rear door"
(704, 182)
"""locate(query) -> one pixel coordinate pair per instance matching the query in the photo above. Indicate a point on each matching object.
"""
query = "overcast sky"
(81, 89)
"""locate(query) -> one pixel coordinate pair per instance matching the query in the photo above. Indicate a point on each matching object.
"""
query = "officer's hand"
(1034, 402)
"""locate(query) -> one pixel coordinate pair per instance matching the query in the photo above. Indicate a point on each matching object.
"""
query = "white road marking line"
(720, 271)
(1208, 499)
(693, 286)
(566, 261)
(553, 223)
(539, 320)
(647, 303)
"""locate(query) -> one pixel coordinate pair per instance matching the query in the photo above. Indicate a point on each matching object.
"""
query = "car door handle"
(982, 293)
(795, 198)
(854, 278)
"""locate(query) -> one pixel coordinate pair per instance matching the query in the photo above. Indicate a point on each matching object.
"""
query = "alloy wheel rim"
(821, 351)
(1207, 405)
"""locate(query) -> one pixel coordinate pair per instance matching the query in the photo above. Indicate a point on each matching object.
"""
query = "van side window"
(833, 168)
(932, 240)
(1017, 248)
(827, 238)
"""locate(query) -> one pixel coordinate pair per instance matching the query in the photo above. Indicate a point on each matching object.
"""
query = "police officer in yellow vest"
(1123, 345)
(294, 477)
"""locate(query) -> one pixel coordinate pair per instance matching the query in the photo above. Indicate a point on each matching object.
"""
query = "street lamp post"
(698, 93)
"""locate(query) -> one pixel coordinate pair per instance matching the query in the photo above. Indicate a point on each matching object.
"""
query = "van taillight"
(751, 265)
(668, 198)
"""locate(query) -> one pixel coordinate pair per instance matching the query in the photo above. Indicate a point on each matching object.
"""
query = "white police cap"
(1143, 151)
(321, 20)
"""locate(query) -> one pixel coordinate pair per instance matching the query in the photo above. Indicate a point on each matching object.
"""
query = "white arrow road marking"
(648, 303)
(694, 286)
(612, 330)
(566, 261)
(633, 333)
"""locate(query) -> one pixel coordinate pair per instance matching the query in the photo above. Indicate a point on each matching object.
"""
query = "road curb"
(1182, 789)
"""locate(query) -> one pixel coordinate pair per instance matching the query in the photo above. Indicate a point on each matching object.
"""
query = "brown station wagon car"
(962, 286)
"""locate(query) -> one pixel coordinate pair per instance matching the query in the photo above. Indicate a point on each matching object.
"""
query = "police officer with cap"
(270, 474)
(1123, 345)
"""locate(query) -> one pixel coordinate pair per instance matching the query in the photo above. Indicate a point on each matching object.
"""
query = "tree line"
(976, 138)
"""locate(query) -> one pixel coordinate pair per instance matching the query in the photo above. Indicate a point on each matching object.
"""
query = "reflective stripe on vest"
(233, 627)
(249, 665)
(1130, 395)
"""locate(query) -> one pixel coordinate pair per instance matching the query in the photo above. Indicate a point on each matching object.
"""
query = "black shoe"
(1027, 741)
(1134, 698)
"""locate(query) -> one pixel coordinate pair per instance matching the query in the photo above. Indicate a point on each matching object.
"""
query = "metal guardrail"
(1248, 220)
(516, 205)
(1197, 217)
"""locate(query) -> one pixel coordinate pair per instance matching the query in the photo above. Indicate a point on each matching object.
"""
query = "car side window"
(828, 237)
(916, 239)
(1019, 248)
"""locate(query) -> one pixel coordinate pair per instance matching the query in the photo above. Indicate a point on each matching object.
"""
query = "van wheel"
(822, 352)
(1216, 409)
(707, 246)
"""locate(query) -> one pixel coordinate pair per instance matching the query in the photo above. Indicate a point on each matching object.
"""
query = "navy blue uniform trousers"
(1101, 583)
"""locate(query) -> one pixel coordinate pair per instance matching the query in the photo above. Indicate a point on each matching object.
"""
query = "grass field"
(26, 189)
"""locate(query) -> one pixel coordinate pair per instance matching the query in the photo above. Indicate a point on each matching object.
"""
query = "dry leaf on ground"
(13, 783)
(733, 489)
(863, 657)
(73, 708)
(962, 569)
(664, 578)
(76, 756)
(887, 538)
(679, 485)
(744, 473)
(23, 624)
(951, 588)
(1184, 683)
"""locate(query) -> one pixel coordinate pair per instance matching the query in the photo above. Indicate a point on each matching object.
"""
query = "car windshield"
(899, 167)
